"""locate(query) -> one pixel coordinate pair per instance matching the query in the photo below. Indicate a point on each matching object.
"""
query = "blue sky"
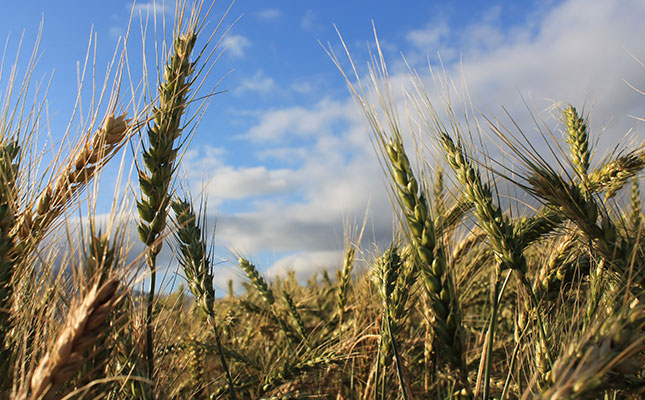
(284, 156)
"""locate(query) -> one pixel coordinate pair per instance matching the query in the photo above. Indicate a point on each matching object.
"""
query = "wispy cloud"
(236, 44)
(258, 83)
(116, 31)
(269, 14)
(308, 21)
(152, 7)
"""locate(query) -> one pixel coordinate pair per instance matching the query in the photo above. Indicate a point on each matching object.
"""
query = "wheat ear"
(75, 175)
(432, 260)
(602, 358)
(197, 265)
(344, 278)
(159, 160)
(8, 172)
(613, 175)
(506, 244)
(635, 215)
(578, 140)
(573, 202)
(261, 285)
(508, 249)
(85, 324)
(390, 280)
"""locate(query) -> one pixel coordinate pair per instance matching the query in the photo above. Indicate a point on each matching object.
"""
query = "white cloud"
(308, 21)
(430, 37)
(269, 14)
(258, 83)
(299, 121)
(116, 31)
(302, 87)
(239, 183)
(235, 44)
(304, 263)
(151, 7)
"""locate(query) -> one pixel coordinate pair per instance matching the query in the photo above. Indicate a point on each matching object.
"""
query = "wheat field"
(479, 295)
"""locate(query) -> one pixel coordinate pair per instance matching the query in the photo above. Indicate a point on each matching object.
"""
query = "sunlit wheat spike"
(344, 278)
(603, 357)
(257, 280)
(159, 159)
(81, 167)
(84, 325)
(386, 274)
(432, 261)
(614, 174)
(636, 214)
(8, 209)
(578, 140)
(573, 202)
(500, 231)
(193, 255)
(196, 262)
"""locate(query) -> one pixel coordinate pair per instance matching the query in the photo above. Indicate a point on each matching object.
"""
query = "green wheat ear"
(196, 262)
(635, 215)
(257, 280)
(507, 247)
(430, 255)
(578, 140)
(159, 160)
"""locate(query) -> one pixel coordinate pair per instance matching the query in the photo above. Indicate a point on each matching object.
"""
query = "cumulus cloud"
(258, 83)
(283, 124)
(575, 52)
(304, 263)
(236, 44)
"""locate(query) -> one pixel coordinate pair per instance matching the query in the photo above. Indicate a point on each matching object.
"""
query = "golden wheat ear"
(85, 324)
(78, 171)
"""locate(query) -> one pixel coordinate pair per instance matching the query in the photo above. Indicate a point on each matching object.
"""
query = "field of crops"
(511, 280)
